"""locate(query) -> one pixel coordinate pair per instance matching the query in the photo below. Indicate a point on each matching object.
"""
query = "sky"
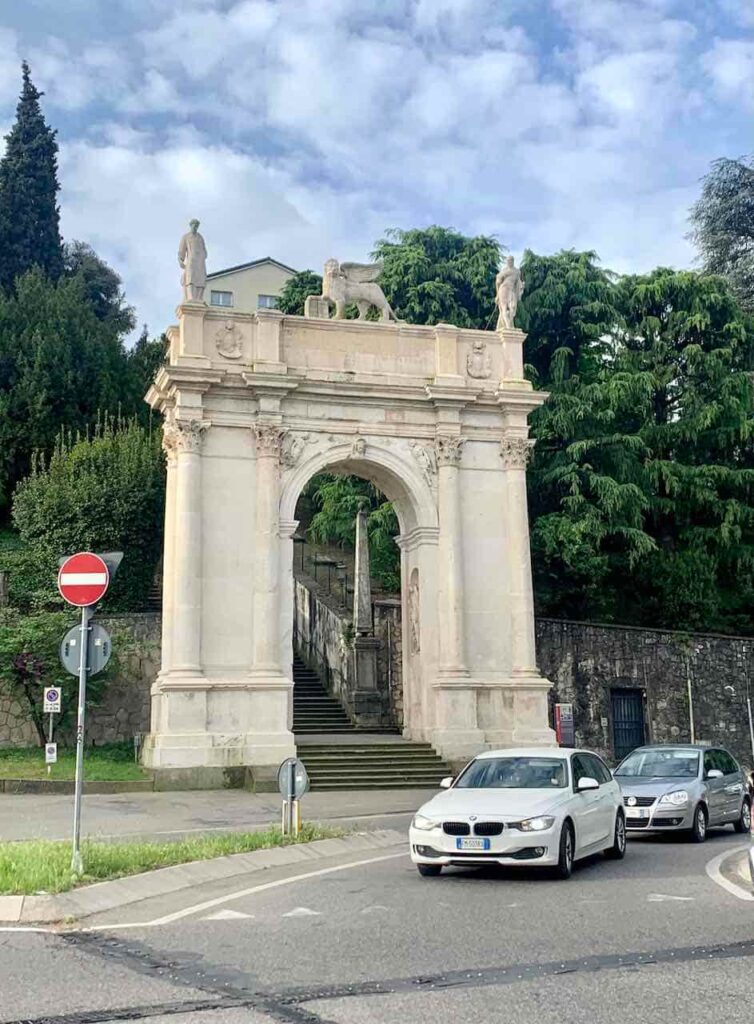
(303, 129)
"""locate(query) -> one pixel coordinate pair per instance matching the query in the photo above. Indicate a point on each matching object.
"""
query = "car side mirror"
(587, 783)
(447, 782)
(714, 773)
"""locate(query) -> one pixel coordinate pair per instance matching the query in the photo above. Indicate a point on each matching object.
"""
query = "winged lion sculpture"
(346, 283)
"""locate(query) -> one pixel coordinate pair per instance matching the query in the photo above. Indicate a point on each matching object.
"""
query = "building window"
(267, 302)
(220, 298)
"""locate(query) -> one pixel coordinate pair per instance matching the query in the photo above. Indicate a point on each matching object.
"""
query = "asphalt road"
(652, 938)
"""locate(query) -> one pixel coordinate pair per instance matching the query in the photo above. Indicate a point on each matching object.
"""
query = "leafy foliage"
(436, 275)
(296, 291)
(29, 215)
(103, 493)
(59, 366)
(641, 492)
(29, 661)
(338, 499)
(723, 225)
(102, 285)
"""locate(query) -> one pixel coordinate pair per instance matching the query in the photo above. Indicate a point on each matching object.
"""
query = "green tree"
(103, 493)
(338, 499)
(59, 366)
(641, 493)
(30, 661)
(29, 215)
(436, 275)
(723, 225)
(567, 309)
(143, 361)
(297, 289)
(103, 287)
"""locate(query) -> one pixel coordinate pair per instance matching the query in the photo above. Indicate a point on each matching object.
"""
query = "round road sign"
(293, 780)
(83, 579)
(98, 655)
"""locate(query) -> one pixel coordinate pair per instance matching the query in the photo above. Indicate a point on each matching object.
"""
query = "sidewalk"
(166, 814)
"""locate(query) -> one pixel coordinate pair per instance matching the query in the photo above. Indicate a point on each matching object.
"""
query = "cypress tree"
(29, 214)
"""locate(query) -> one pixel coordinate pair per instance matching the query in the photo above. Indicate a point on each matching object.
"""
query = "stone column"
(185, 643)
(362, 594)
(170, 447)
(266, 639)
(450, 558)
(515, 452)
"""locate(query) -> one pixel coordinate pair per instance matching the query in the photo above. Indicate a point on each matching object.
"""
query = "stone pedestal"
(316, 308)
(370, 706)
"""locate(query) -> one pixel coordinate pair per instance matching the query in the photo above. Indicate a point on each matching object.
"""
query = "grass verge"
(112, 762)
(42, 866)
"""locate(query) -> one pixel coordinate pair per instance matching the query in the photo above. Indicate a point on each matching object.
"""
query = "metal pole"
(77, 865)
(691, 699)
(49, 740)
(751, 725)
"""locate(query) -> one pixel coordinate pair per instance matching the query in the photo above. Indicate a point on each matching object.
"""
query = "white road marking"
(263, 887)
(371, 910)
(713, 870)
(661, 897)
(24, 928)
(226, 915)
(302, 912)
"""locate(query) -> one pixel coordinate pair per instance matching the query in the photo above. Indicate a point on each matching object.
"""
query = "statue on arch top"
(509, 287)
(346, 283)
(192, 258)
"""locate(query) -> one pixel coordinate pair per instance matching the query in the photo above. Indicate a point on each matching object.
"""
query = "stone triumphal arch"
(254, 405)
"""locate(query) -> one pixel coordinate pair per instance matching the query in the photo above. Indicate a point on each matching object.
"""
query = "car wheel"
(699, 827)
(429, 870)
(565, 855)
(618, 850)
(744, 821)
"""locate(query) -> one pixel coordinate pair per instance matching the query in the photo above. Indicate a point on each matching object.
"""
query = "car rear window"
(514, 773)
(667, 763)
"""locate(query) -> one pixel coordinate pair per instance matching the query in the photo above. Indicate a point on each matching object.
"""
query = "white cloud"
(730, 66)
(303, 128)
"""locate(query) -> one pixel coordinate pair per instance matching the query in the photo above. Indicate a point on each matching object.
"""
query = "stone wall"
(320, 637)
(323, 639)
(387, 629)
(124, 710)
(587, 663)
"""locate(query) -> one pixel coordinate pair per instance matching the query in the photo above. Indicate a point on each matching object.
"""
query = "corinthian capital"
(516, 452)
(183, 436)
(448, 450)
(269, 438)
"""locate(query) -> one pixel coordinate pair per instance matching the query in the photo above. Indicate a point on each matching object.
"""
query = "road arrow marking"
(302, 912)
(226, 915)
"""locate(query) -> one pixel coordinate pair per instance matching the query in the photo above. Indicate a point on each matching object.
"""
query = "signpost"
(565, 730)
(293, 782)
(83, 580)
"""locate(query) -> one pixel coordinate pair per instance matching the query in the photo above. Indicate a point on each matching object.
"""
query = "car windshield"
(668, 763)
(514, 773)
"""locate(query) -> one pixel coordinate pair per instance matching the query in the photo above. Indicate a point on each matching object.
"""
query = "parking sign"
(51, 753)
(52, 700)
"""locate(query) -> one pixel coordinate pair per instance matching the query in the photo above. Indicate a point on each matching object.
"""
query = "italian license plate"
(472, 844)
(637, 812)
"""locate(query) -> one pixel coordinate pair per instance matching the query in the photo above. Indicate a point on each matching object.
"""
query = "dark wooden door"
(628, 721)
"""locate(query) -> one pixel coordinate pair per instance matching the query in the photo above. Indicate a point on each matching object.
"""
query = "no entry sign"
(83, 579)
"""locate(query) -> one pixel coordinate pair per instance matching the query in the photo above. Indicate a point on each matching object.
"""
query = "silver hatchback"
(683, 788)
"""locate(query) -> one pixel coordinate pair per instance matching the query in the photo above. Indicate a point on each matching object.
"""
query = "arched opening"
(376, 676)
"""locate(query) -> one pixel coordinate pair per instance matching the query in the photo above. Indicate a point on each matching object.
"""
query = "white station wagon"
(536, 806)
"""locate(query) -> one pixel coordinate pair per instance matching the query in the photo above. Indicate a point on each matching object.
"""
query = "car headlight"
(678, 797)
(540, 824)
(425, 824)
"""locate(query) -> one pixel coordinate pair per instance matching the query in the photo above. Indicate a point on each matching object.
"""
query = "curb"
(120, 892)
(65, 787)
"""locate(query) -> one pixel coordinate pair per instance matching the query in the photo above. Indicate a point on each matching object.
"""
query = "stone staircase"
(372, 765)
(337, 755)
(314, 710)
